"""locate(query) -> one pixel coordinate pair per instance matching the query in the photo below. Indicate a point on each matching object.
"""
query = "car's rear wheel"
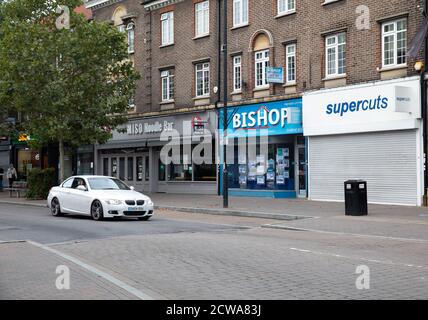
(144, 218)
(97, 211)
(55, 208)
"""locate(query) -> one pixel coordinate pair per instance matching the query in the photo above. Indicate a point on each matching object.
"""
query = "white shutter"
(386, 160)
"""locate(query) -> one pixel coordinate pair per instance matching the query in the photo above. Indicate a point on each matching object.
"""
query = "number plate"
(135, 209)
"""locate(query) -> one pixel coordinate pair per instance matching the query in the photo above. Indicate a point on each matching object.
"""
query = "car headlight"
(149, 202)
(114, 202)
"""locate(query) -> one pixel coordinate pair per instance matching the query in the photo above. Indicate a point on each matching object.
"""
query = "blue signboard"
(275, 75)
(272, 118)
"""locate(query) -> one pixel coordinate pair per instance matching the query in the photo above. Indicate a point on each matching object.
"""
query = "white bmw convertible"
(100, 197)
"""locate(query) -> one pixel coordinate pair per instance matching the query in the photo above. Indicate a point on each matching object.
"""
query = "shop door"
(141, 180)
(302, 172)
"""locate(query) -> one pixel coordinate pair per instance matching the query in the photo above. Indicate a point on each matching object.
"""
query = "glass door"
(302, 167)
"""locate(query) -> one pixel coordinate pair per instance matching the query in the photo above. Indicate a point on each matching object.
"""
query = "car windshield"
(107, 184)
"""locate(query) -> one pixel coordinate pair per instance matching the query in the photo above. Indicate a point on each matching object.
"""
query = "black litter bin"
(356, 198)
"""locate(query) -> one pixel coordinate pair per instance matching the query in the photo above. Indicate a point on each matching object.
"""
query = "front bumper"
(123, 210)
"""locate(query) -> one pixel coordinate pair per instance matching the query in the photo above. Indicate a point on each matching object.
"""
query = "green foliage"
(72, 85)
(39, 182)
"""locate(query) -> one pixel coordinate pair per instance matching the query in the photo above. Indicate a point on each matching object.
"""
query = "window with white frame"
(335, 52)
(286, 6)
(202, 18)
(261, 64)
(167, 28)
(131, 37)
(290, 63)
(167, 79)
(202, 79)
(237, 73)
(240, 12)
(394, 43)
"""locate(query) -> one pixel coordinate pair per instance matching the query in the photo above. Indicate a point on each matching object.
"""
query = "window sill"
(285, 14)
(340, 76)
(131, 52)
(166, 45)
(236, 92)
(329, 2)
(290, 84)
(202, 97)
(167, 102)
(261, 88)
(391, 68)
(240, 26)
(201, 37)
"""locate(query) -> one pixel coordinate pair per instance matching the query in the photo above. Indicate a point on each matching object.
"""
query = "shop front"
(135, 155)
(266, 150)
(371, 132)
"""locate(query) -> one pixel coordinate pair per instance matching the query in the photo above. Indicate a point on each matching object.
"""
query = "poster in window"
(286, 163)
(260, 180)
(280, 179)
(270, 176)
(286, 152)
(242, 180)
(242, 169)
(286, 174)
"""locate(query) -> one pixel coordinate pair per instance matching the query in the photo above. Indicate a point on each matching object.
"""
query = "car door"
(64, 194)
(79, 199)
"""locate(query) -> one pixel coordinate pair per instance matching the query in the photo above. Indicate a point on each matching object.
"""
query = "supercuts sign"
(273, 118)
(379, 106)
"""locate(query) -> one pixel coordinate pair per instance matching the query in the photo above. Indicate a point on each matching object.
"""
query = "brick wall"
(307, 27)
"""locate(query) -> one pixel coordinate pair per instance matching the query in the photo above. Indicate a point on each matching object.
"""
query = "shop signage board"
(379, 106)
(272, 118)
(275, 74)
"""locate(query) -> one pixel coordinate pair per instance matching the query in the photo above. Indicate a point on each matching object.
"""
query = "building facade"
(285, 57)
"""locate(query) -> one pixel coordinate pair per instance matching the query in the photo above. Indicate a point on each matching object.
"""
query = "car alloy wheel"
(97, 211)
(55, 207)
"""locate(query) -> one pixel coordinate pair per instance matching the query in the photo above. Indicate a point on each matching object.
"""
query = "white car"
(100, 197)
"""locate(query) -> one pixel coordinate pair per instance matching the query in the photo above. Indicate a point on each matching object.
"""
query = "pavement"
(180, 255)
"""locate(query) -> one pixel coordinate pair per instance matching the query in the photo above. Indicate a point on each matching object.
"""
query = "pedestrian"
(11, 174)
(1, 179)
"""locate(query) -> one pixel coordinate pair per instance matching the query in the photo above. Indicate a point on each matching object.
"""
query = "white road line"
(139, 294)
(357, 258)
(288, 228)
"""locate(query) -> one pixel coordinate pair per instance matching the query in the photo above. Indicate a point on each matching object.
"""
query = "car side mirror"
(81, 188)
(132, 187)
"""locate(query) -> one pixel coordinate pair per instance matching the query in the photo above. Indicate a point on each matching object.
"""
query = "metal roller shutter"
(387, 160)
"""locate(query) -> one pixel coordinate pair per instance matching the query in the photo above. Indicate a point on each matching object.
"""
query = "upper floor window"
(261, 64)
(167, 79)
(394, 43)
(167, 27)
(286, 6)
(202, 18)
(335, 47)
(291, 63)
(131, 37)
(240, 12)
(202, 79)
(237, 73)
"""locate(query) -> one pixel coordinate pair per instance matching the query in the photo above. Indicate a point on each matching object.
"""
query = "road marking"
(357, 258)
(139, 294)
(284, 227)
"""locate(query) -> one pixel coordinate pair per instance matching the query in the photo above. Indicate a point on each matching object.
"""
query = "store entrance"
(302, 171)
(132, 169)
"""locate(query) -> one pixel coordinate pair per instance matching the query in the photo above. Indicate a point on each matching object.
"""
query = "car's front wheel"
(97, 211)
(55, 208)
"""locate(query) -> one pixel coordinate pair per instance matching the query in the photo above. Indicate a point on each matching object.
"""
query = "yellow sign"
(23, 137)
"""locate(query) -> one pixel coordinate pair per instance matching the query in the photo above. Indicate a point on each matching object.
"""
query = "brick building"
(321, 50)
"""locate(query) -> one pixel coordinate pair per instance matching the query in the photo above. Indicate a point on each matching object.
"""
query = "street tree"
(73, 84)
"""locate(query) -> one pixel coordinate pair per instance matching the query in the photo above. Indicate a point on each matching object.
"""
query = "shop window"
(122, 168)
(147, 171)
(130, 169)
(180, 172)
(105, 167)
(139, 167)
(276, 172)
(162, 171)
